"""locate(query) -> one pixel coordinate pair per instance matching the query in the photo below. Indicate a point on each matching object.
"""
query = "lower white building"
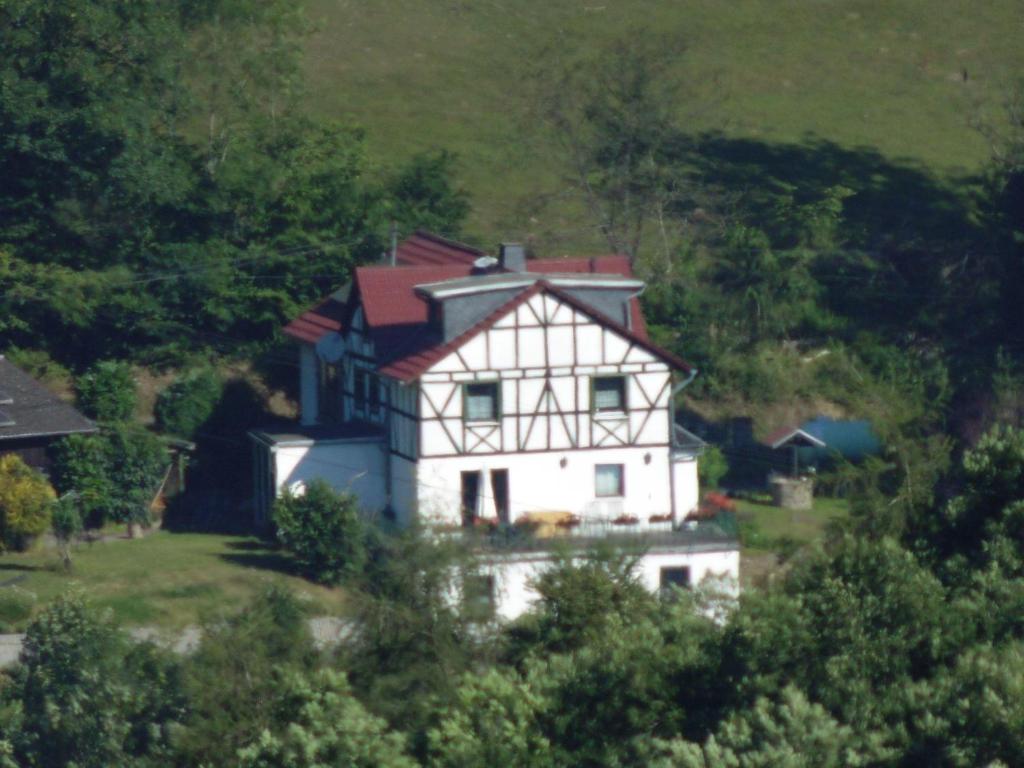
(455, 389)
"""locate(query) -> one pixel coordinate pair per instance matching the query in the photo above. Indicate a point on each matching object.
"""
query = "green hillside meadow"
(420, 74)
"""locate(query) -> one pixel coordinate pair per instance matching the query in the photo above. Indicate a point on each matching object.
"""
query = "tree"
(576, 600)
(138, 462)
(615, 117)
(424, 197)
(712, 466)
(318, 723)
(789, 733)
(183, 407)
(81, 466)
(26, 501)
(493, 720)
(851, 627)
(89, 111)
(235, 680)
(87, 696)
(66, 524)
(414, 638)
(116, 473)
(107, 392)
(323, 531)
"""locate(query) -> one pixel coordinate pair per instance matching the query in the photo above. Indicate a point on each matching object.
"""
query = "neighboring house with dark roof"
(457, 389)
(32, 418)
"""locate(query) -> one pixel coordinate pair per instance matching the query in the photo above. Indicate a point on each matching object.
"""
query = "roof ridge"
(445, 241)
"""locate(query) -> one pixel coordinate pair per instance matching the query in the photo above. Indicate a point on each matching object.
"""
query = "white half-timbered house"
(457, 389)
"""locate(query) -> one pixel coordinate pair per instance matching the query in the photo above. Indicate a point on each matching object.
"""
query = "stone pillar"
(792, 492)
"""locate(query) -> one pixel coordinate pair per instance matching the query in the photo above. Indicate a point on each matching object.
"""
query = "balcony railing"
(720, 531)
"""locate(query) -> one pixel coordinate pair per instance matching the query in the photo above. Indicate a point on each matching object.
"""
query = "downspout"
(629, 309)
(672, 438)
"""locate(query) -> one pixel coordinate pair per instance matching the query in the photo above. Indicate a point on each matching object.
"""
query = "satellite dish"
(331, 347)
(485, 262)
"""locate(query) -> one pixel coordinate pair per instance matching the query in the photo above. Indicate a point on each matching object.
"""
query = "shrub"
(81, 463)
(15, 608)
(712, 467)
(138, 461)
(187, 403)
(322, 529)
(89, 697)
(115, 474)
(25, 502)
(107, 391)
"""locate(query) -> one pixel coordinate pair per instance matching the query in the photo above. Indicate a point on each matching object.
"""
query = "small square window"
(610, 393)
(481, 402)
(608, 480)
(674, 576)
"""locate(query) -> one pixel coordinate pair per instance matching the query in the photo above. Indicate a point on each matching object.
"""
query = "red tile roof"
(388, 293)
(424, 249)
(396, 315)
(314, 323)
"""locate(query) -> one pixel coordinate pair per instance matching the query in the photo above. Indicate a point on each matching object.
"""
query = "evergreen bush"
(106, 392)
(322, 529)
(185, 405)
(26, 499)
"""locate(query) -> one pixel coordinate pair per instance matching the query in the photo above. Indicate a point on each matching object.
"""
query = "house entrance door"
(499, 487)
(470, 497)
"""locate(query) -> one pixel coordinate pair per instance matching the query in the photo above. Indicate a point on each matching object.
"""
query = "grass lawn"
(768, 532)
(167, 580)
(902, 77)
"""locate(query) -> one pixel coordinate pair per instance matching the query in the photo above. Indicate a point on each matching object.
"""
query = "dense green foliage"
(115, 474)
(26, 502)
(236, 683)
(84, 695)
(712, 466)
(106, 392)
(869, 651)
(323, 531)
(163, 188)
(183, 407)
(327, 726)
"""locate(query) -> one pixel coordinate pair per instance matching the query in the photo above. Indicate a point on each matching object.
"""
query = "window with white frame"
(609, 480)
(609, 393)
(480, 401)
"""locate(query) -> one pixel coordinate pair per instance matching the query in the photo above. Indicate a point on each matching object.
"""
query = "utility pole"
(394, 243)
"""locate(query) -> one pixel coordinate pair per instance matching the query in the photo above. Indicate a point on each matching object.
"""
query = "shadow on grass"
(252, 545)
(265, 560)
(18, 567)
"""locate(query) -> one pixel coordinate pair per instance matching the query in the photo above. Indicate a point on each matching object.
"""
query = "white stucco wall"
(513, 575)
(357, 466)
(685, 485)
(538, 482)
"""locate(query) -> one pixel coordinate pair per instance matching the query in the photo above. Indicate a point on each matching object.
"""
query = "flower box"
(626, 520)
